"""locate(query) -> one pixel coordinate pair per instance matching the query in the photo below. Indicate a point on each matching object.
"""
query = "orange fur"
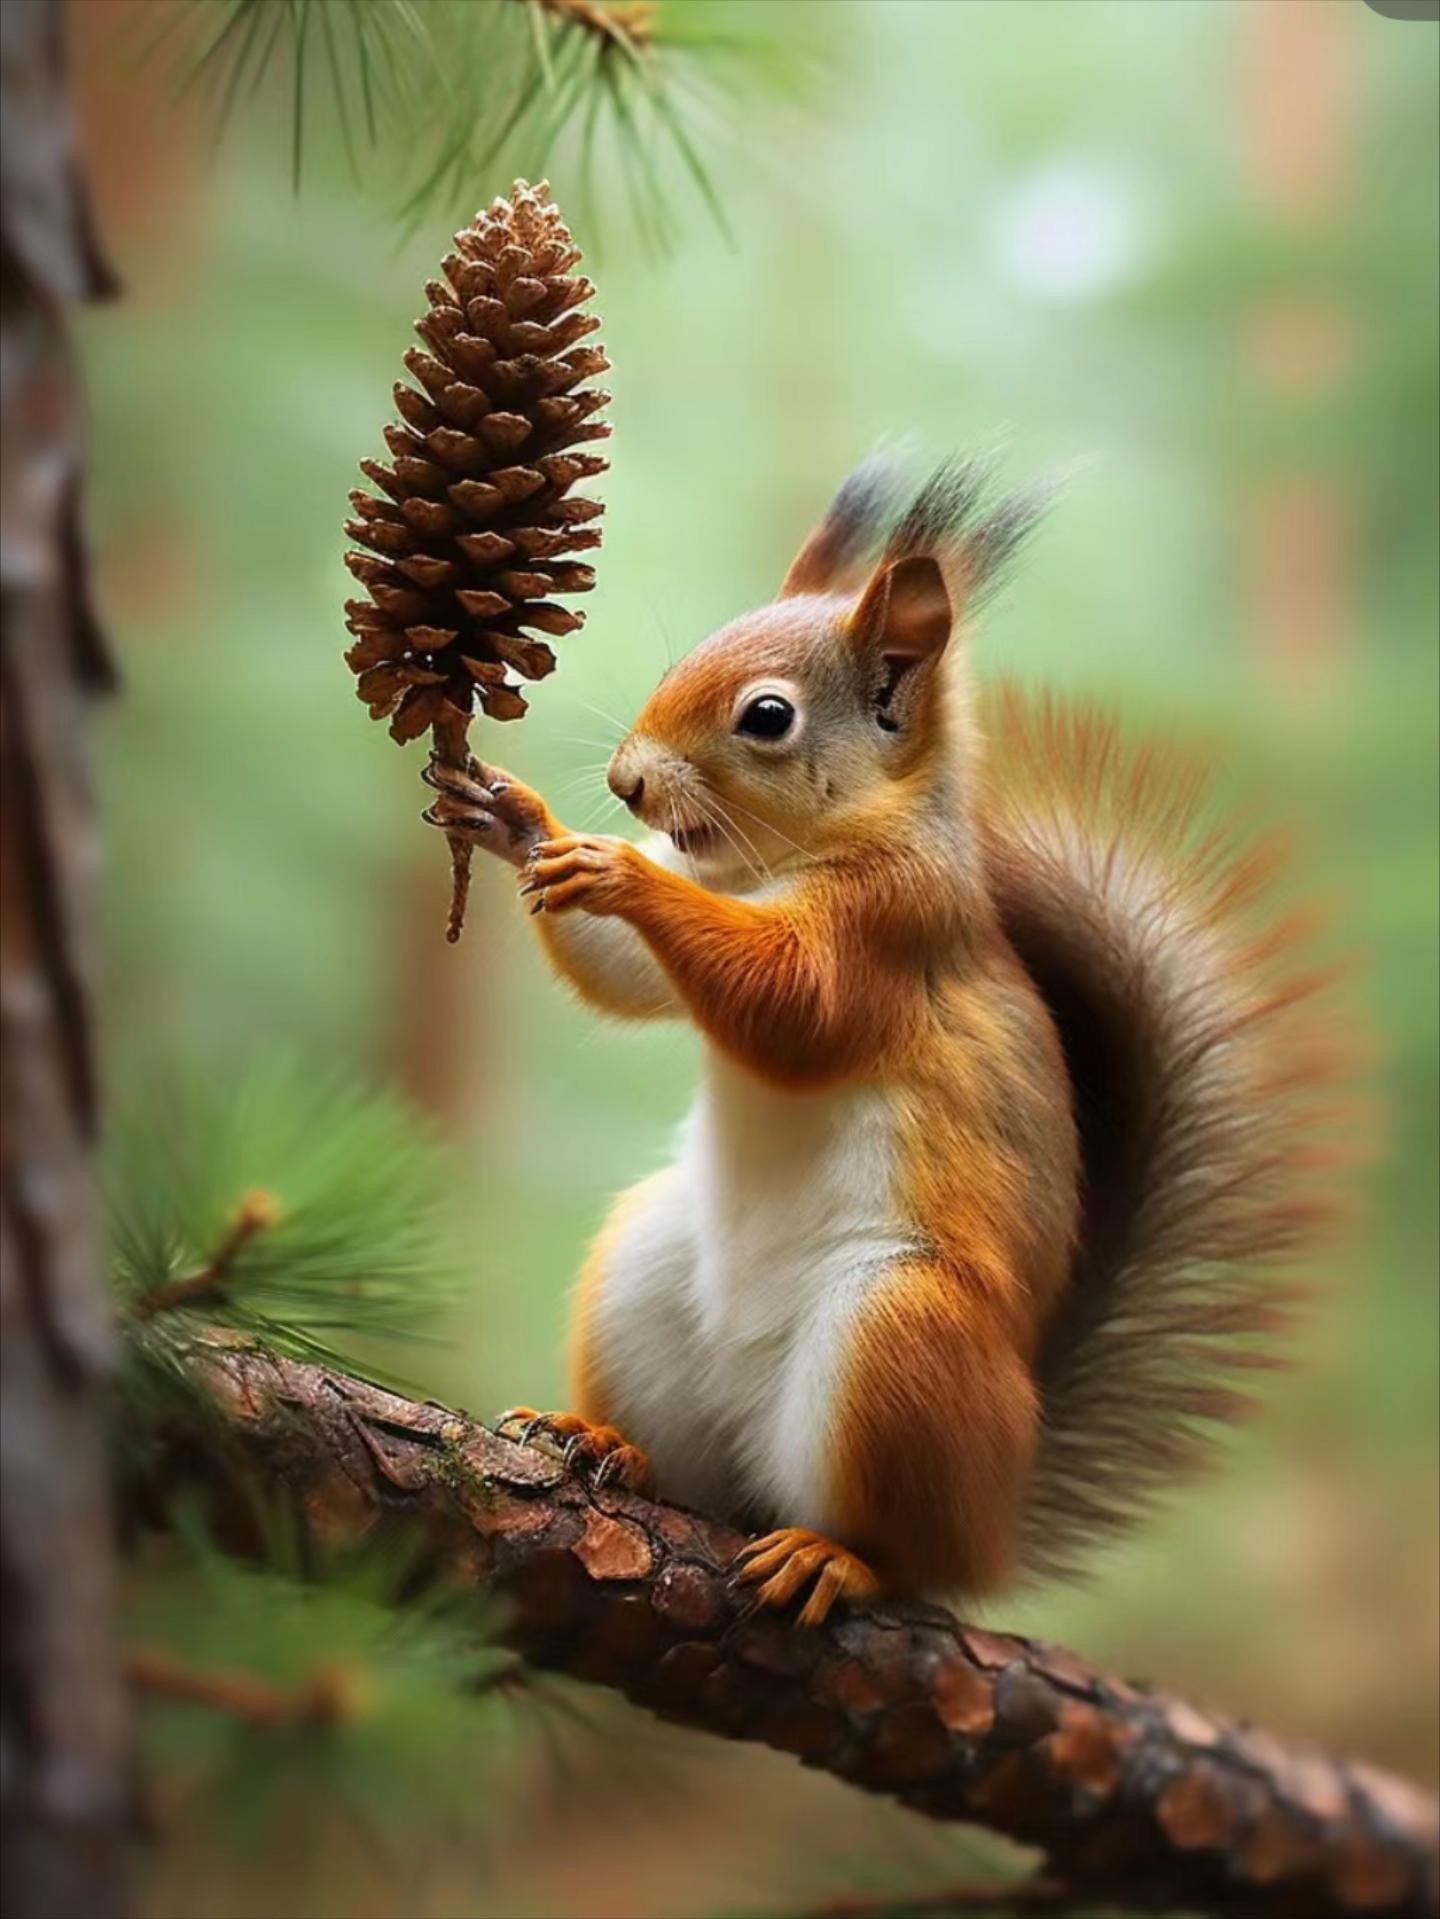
(936, 1421)
(935, 1428)
(935, 1424)
(767, 982)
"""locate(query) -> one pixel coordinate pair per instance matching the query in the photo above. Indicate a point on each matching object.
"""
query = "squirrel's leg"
(606, 961)
(588, 1439)
(633, 1359)
(933, 1422)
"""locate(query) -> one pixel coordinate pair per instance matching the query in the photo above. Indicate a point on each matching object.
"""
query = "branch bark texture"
(1132, 1796)
(64, 1786)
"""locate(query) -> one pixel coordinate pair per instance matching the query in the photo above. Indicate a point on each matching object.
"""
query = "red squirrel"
(1013, 1095)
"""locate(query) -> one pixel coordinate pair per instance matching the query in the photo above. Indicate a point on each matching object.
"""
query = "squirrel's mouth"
(691, 840)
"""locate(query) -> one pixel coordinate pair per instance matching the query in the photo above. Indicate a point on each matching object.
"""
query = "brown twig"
(329, 1695)
(1131, 1796)
(255, 1213)
(452, 749)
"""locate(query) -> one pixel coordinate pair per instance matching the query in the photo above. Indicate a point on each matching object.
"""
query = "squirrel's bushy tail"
(1210, 1079)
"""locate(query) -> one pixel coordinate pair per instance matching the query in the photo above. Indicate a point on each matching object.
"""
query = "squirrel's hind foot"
(602, 1453)
(788, 1559)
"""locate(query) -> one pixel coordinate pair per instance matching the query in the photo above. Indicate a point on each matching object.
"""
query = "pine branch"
(209, 1285)
(332, 1693)
(326, 1697)
(1132, 1797)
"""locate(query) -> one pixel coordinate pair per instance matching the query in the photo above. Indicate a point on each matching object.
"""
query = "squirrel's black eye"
(768, 718)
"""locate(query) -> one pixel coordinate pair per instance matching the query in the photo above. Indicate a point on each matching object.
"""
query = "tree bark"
(1132, 1797)
(64, 1795)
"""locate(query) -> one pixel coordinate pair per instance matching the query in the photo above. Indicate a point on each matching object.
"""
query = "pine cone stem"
(452, 749)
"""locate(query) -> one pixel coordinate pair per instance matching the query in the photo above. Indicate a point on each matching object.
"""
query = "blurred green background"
(1189, 250)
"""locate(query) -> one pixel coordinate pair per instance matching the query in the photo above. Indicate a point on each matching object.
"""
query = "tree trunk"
(64, 1793)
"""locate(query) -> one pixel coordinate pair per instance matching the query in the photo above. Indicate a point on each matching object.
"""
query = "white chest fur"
(728, 1296)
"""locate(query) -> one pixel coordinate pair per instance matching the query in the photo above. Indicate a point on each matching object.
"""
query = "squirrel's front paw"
(486, 806)
(602, 1452)
(789, 1559)
(589, 872)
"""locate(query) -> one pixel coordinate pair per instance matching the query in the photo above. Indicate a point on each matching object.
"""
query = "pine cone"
(473, 538)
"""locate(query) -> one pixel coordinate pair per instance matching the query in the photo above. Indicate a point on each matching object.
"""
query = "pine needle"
(439, 97)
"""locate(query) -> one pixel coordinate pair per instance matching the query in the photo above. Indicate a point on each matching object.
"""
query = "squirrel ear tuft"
(833, 558)
(899, 630)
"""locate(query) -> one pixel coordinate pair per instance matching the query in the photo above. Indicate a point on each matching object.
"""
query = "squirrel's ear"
(813, 568)
(899, 631)
(834, 557)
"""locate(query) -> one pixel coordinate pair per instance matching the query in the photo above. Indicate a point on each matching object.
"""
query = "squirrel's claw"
(459, 824)
(787, 1560)
(480, 785)
(625, 1467)
(525, 1417)
(601, 1453)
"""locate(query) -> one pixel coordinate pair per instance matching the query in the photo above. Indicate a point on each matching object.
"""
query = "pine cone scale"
(427, 573)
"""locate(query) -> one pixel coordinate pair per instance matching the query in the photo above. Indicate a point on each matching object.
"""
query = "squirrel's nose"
(626, 783)
(628, 787)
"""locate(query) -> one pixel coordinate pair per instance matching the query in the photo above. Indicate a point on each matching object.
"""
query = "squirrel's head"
(773, 740)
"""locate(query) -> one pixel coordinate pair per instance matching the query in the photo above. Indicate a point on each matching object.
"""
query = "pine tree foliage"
(293, 1209)
(434, 96)
(296, 1209)
(275, 1691)
(302, 1213)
